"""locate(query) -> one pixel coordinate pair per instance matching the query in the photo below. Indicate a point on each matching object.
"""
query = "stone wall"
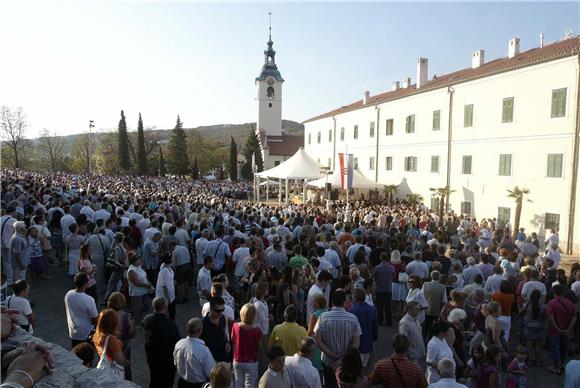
(69, 370)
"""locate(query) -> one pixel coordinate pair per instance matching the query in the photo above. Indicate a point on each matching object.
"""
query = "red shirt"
(563, 311)
(246, 343)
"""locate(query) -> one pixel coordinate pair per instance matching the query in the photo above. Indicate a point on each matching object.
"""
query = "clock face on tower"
(270, 81)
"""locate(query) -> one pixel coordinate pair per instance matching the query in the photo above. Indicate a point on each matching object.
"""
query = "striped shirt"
(336, 328)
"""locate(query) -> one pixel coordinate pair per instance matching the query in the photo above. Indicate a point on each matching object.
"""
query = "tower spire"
(270, 27)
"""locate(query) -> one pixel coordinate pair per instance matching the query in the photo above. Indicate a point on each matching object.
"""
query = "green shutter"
(508, 110)
(558, 102)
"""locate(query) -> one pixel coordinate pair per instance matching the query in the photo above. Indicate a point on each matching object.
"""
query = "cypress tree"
(252, 147)
(124, 159)
(161, 163)
(142, 168)
(195, 170)
(233, 160)
(177, 150)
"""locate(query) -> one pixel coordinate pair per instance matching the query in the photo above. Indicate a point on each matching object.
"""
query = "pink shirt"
(563, 311)
(246, 343)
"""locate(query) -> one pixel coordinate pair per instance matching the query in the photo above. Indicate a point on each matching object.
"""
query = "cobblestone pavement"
(51, 326)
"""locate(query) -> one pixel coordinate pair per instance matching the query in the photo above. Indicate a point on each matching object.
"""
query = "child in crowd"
(517, 369)
(472, 368)
(34, 250)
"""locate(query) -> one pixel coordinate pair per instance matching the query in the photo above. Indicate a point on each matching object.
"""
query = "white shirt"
(193, 360)
(492, 283)
(238, 257)
(22, 305)
(8, 223)
(262, 316)
(80, 310)
(417, 267)
(200, 245)
(182, 237)
(180, 255)
(314, 289)
(301, 372)
(447, 383)
(437, 349)
(165, 279)
(332, 256)
(532, 285)
(101, 214)
(576, 289)
(203, 283)
(66, 221)
(87, 211)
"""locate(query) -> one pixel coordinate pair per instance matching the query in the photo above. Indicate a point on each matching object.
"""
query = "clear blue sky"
(68, 62)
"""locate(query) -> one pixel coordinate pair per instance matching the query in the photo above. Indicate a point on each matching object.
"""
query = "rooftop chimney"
(366, 97)
(406, 82)
(513, 47)
(477, 58)
(422, 64)
(541, 40)
(396, 85)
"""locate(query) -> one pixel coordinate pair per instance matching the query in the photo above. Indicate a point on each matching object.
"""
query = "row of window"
(558, 109)
(553, 169)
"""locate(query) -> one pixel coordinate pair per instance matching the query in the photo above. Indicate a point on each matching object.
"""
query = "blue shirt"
(367, 318)
(219, 250)
(384, 274)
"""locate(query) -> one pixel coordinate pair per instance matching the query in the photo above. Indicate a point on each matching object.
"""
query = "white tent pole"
(279, 191)
(267, 189)
(286, 191)
(258, 190)
(304, 192)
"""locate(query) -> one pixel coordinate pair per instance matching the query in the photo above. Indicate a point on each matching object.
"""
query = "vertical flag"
(349, 170)
(346, 169)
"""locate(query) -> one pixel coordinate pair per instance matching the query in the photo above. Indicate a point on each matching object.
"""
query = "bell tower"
(269, 88)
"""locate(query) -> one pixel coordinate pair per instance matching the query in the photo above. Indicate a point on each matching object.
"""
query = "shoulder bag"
(399, 373)
(104, 363)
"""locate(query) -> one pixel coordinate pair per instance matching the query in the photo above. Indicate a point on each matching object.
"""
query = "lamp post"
(91, 126)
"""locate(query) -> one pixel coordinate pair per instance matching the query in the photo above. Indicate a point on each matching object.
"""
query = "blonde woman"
(246, 339)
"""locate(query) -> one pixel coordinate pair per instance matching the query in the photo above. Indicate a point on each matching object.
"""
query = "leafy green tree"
(391, 192)
(518, 195)
(195, 170)
(414, 198)
(441, 193)
(141, 161)
(162, 170)
(233, 160)
(252, 147)
(177, 150)
(124, 158)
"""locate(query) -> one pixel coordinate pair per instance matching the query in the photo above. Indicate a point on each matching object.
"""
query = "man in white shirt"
(322, 286)
(87, 211)
(200, 246)
(332, 256)
(534, 284)
(102, 213)
(7, 224)
(183, 271)
(417, 267)
(446, 369)
(66, 221)
(204, 280)
(192, 358)
(81, 310)
(299, 367)
(494, 281)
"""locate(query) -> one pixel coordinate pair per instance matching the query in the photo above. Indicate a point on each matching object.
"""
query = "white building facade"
(511, 122)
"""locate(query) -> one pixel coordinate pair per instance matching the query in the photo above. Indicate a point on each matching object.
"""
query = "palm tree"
(518, 195)
(442, 193)
(391, 191)
(414, 198)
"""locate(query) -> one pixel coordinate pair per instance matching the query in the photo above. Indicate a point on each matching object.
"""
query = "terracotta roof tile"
(564, 48)
(285, 144)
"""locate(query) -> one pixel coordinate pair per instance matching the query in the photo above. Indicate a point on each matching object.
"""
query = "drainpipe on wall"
(572, 207)
(333, 143)
(378, 109)
(451, 92)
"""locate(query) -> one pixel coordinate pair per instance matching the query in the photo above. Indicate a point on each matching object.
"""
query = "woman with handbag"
(109, 347)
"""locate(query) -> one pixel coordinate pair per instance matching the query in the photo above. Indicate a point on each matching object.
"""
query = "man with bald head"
(300, 369)
(192, 358)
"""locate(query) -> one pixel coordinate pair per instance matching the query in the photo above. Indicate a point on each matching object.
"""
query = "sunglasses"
(219, 311)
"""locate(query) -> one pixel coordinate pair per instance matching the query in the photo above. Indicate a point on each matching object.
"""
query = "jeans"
(329, 377)
(384, 307)
(558, 346)
(140, 307)
(246, 374)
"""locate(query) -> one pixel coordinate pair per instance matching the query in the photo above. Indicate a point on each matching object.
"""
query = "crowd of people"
(289, 295)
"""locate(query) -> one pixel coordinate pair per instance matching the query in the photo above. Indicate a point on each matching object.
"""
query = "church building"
(275, 144)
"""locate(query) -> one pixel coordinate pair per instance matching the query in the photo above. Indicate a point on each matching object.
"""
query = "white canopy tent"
(299, 166)
(359, 181)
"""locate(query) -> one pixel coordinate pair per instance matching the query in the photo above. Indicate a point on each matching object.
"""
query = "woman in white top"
(73, 243)
(165, 285)
(416, 295)
(438, 348)
(139, 287)
(26, 318)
